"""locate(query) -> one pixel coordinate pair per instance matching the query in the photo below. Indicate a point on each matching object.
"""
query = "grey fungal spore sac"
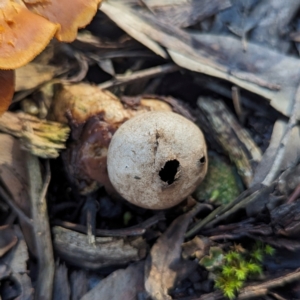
(156, 159)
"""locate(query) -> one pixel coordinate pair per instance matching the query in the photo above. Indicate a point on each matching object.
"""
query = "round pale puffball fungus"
(156, 159)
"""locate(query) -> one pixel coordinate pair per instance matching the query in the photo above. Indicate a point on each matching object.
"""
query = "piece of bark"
(74, 248)
(121, 284)
(234, 140)
(285, 219)
(42, 138)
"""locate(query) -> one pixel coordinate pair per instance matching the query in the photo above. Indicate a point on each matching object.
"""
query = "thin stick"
(236, 99)
(135, 230)
(263, 288)
(148, 73)
(43, 241)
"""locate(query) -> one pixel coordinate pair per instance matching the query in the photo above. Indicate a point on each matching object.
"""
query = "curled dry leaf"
(7, 81)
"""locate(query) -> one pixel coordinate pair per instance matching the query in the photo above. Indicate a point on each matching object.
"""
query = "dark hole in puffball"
(202, 160)
(168, 171)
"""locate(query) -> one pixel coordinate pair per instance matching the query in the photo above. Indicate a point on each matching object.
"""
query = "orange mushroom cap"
(27, 26)
(71, 15)
(23, 35)
(7, 84)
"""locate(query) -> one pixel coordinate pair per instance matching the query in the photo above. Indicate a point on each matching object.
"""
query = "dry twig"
(42, 234)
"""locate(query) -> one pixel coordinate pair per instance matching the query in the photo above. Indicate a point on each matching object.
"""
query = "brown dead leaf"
(121, 284)
(164, 264)
(7, 239)
(7, 83)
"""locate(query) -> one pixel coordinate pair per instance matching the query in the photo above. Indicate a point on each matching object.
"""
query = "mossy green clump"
(240, 265)
(221, 184)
